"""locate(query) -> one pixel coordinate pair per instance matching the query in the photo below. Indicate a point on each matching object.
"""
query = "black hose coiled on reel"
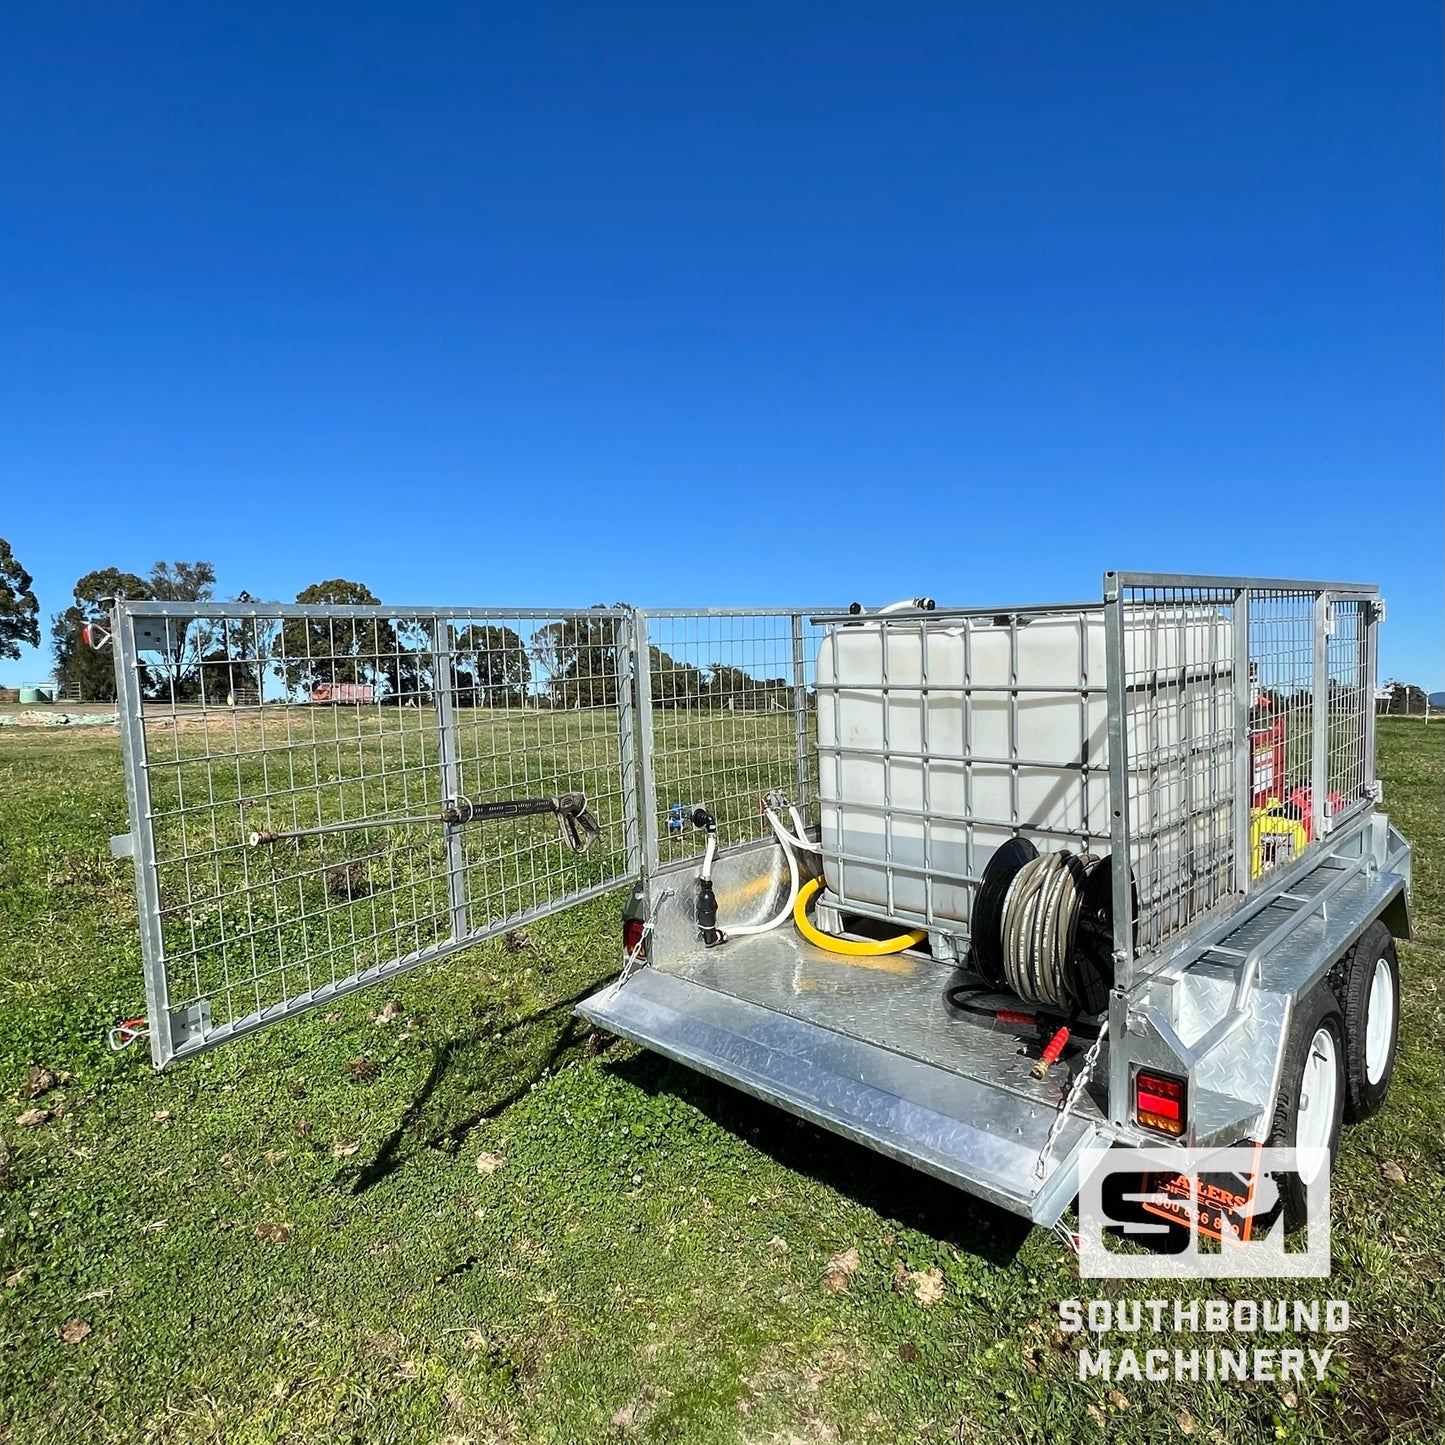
(1043, 927)
(1040, 924)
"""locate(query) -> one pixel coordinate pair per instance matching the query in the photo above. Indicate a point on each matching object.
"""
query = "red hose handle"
(1050, 1055)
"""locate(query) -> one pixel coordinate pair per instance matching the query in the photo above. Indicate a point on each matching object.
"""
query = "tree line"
(569, 663)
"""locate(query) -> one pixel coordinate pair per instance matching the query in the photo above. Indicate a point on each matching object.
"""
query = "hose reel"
(1043, 927)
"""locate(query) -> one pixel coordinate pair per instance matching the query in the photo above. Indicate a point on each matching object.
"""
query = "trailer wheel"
(1310, 1106)
(1367, 983)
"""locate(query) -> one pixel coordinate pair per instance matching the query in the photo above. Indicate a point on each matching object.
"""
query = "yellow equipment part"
(1269, 830)
(850, 946)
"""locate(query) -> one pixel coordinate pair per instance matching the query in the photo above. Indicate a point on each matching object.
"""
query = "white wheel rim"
(1379, 1021)
(1315, 1116)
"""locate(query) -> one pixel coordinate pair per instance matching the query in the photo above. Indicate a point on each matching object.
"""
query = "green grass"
(247, 927)
(645, 1260)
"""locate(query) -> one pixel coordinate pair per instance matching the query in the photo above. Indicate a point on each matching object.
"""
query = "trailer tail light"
(1159, 1101)
(633, 932)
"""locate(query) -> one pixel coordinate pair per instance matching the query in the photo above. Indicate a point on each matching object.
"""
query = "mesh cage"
(1177, 716)
(322, 797)
(1241, 734)
(731, 713)
(313, 787)
(1351, 694)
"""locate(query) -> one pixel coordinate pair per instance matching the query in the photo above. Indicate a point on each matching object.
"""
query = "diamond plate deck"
(894, 1002)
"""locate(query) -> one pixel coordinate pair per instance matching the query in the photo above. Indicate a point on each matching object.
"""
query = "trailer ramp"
(869, 1054)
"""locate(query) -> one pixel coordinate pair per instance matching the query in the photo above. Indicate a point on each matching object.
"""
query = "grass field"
(435, 1212)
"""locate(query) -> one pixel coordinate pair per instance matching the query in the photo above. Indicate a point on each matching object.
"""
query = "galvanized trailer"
(1200, 751)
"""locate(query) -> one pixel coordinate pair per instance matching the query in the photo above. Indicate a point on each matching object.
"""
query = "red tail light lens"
(632, 932)
(1159, 1101)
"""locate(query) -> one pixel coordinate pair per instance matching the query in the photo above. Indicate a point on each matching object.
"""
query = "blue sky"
(543, 304)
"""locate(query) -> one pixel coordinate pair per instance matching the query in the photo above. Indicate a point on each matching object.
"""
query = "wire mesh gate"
(314, 790)
(323, 797)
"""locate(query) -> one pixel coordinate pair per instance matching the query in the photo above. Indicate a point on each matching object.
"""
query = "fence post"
(1243, 746)
(627, 728)
(1119, 845)
(1369, 681)
(800, 717)
(1320, 719)
(451, 771)
(646, 760)
(129, 706)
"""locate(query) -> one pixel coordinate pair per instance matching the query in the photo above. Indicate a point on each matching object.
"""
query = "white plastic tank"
(939, 740)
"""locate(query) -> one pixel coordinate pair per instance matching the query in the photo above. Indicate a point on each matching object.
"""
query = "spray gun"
(706, 909)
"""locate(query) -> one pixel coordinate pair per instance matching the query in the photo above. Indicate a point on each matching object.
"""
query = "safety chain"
(1081, 1079)
(630, 962)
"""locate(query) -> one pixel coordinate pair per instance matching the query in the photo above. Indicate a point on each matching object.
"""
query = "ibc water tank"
(938, 740)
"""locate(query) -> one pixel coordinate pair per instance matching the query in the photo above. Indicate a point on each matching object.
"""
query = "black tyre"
(1310, 1106)
(1366, 982)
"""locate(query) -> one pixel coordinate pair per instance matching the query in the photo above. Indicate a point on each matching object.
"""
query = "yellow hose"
(846, 945)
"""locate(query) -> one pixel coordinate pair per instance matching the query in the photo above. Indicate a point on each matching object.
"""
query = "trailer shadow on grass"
(542, 1038)
(478, 1075)
(888, 1188)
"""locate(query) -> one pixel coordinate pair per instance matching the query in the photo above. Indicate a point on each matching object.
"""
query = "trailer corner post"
(451, 773)
(1320, 719)
(143, 848)
(800, 715)
(1243, 745)
(1374, 611)
(1120, 849)
(646, 778)
(627, 743)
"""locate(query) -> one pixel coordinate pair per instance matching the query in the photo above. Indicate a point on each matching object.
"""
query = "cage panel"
(310, 791)
(1264, 744)
(730, 704)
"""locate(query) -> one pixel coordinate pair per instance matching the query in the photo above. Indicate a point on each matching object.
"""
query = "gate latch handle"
(575, 822)
(579, 829)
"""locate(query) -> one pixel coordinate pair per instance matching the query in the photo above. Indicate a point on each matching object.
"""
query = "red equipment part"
(1052, 1050)
(1267, 752)
(1302, 806)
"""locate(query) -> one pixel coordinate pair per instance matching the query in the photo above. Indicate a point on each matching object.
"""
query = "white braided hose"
(742, 930)
(1040, 912)
(799, 839)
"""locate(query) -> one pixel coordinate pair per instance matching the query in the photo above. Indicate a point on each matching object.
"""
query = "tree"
(177, 676)
(335, 651)
(731, 687)
(79, 667)
(579, 657)
(406, 669)
(674, 684)
(579, 654)
(1406, 698)
(19, 611)
(489, 666)
(236, 668)
(392, 657)
(182, 581)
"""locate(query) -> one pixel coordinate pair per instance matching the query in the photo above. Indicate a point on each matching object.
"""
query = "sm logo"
(1203, 1213)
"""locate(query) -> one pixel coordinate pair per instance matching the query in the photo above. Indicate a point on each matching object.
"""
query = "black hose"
(1039, 928)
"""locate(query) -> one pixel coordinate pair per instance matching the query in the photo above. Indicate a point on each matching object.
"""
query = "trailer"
(975, 887)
